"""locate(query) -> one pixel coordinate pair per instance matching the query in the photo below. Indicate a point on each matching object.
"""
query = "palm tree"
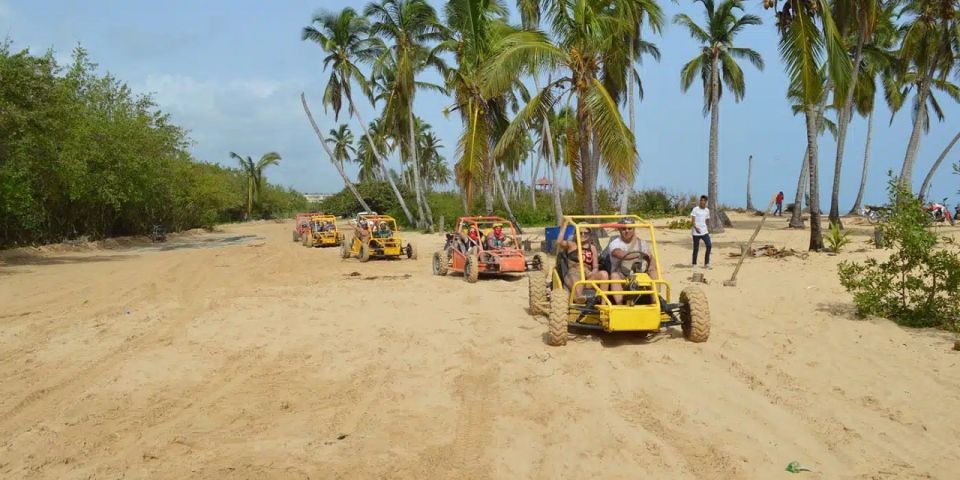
(638, 13)
(254, 174)
(926, 58)
(370, 170)
(717, 58)
(410, 26)
(587, 34)
(862, 16)
(343, 37)
(802, 46)
(342, 141)
(432, 164)
(878, 61)
(333, 158)
(474, 27)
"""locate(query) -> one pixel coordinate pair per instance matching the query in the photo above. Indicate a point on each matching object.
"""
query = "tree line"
(580, 55)
(82, 155)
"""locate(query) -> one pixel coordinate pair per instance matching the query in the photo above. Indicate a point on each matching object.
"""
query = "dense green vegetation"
(81, 154)
(917, 285)
(378, 195)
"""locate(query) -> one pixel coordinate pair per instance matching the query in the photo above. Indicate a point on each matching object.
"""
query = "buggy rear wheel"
(471, 271)
(440, 263)
(539, 262)
(296, 237)
(537, 289)
(557, 321)
(694, 315)
(364, 252)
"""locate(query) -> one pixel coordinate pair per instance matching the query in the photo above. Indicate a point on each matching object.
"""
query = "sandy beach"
(242, 354)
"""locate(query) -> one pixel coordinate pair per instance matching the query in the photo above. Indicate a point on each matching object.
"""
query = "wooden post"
(733, 278)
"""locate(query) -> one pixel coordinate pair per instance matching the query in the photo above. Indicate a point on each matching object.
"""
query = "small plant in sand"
(837, 238)
(916, 285)
(680, 224)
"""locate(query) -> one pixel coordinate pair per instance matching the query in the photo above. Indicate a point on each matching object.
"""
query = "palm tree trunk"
(412, 139)
(906, 173)
(816, 235)
(323, 142)
(936, 165)
(796, 217)
(503, 198)
(749, 173)
(584, 131)
(249, 196)
(866, 160)
(846, 114)
(533, 181)
(631, 102)
(382, 161)
(554, 161)
(716, 225)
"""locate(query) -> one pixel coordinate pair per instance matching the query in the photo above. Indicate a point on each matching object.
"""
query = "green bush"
(837, 238)
(917, 285)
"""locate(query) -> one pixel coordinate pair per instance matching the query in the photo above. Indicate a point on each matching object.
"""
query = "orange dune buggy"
(488, 245)
(301, 224)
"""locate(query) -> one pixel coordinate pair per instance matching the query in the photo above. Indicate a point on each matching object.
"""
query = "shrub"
(915, 285)
(681, 224)
(837, 238)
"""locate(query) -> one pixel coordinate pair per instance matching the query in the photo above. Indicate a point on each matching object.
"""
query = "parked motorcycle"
(939, 212)
(875, 213)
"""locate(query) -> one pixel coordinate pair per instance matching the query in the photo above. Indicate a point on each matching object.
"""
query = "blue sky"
(231, 73)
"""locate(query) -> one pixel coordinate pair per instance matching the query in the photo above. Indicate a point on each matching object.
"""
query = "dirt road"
(259, 358)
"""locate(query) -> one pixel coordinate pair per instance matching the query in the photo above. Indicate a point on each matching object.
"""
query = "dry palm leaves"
(771, 251)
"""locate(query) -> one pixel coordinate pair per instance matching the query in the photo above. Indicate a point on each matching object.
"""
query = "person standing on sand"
(700, 214)
(779, 210)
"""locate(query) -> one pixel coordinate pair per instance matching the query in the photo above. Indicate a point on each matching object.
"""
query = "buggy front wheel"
(694, 315)
(440, 263)
(471, 271)
(364, 252)
(411, 252)
(557, 321)
(537, 289)
(344, 250)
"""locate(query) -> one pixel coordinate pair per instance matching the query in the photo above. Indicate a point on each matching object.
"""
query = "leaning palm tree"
(586, 32)
(927, 56)
(402, 32)
(809, 42)
(254, 174)
(344, 37)
(333, 158)
(716, 65)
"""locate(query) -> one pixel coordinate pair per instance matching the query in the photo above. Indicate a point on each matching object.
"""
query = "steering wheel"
(508, 241)
(638, 266)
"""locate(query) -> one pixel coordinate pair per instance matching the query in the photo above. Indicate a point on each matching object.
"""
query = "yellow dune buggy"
(642, 302)
(321, 231)
(375, 236)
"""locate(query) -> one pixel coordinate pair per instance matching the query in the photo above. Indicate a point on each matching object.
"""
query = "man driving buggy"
(497, 239)
(629, 254)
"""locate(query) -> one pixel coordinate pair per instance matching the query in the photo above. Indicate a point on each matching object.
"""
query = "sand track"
(258, 358)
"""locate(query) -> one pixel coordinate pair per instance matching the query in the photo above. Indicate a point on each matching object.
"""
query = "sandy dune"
(259, 358)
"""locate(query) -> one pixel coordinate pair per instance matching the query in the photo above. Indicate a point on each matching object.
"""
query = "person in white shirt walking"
(700, 215)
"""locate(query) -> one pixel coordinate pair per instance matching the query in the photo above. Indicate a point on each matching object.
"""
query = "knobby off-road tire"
(339, 239)
(296, 237)
(694, 315)
(471, 271)
(344, 250)
(440, 263)
(537, 289)
(364, 252)
(411, 252)
(557, 321)
(541, 260)
(308, 240)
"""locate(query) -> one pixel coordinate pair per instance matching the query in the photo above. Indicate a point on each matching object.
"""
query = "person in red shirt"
(779, 210)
